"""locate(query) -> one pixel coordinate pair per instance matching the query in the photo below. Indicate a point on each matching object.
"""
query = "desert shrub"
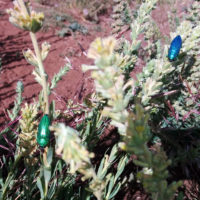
(153, 114)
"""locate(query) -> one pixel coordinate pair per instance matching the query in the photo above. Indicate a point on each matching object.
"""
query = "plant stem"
(45, 157)
(97, 193)
(42, 72)
(39, 59)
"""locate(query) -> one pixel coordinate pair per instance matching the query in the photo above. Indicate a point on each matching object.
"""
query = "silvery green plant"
(102, 184)
(17, 105)
(68, 145)
(114, 181)
(158, 81)
(170, 90)
(139, 25)
(5, 184)
(160, 77)
(18, 102)
(27, 19)
(115, 91)
(121, 15)
(135, 130)
(109, 80)
(22, 16)
(154, 162)
(188, 110)
(27, 137)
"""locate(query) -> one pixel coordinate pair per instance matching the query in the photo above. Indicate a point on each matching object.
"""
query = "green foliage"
(46, 190)
(18, 101)
(159, 81)
(113, 183)
(121, 15)
(27, 137)
(17, 105)
(141, 24)
(57, 77)
(91, 128)
(8, 184)
(167, 114)
(154, 163)
(76, 155)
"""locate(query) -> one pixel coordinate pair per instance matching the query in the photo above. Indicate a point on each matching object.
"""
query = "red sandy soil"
(75, 84)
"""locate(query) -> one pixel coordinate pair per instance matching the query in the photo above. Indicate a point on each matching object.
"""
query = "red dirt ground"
(75, 84)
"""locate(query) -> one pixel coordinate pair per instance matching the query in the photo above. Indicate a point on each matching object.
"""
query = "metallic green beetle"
(43, 134)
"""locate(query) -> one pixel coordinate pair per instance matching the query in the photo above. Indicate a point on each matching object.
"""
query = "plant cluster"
(153, 114)
(121, 15)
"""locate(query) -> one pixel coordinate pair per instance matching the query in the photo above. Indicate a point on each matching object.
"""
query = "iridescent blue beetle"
(175, 48)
